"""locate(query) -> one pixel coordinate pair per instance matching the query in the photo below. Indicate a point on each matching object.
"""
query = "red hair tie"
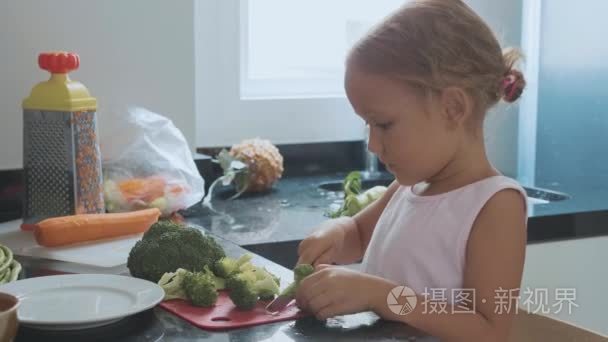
(512, 85)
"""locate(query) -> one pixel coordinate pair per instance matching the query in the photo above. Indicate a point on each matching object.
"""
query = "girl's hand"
(324, 245)
(333, 291)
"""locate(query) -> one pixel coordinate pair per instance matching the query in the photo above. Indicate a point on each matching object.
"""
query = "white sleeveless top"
(420, 241)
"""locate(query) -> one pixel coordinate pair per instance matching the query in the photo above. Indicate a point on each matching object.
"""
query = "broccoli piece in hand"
(200, 288)
(300, 272)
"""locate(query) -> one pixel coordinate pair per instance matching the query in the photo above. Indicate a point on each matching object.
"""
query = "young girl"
(450, 224)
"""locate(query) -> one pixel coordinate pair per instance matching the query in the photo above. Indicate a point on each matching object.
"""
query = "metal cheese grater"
(62, 163)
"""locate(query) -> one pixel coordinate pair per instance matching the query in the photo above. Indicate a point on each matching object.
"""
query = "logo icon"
(401, 300)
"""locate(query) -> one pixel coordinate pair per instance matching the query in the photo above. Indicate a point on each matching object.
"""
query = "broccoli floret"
(266, 288)
(200, 288)
(276, 279)
(246, 287)
(220, 283)
(242, 292)
(262, 273)
(226, 266)
(246, 267)
(171, 283)
(300, 272)
(160, 253)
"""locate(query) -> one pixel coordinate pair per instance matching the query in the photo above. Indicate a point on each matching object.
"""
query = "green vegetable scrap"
(171, 282)
(9, 267)
(354, 200)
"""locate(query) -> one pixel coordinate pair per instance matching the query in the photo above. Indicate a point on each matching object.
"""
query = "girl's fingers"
(310, 255)
(321, 267)
(310, 287)
(325, 258)
(313, 296)
(320, 302)
(303, 246)
(328, 312)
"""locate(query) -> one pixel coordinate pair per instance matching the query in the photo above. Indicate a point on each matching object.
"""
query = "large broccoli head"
(161, 252)
(161, 227)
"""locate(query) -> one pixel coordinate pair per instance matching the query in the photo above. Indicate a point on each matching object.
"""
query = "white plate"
(80, 301)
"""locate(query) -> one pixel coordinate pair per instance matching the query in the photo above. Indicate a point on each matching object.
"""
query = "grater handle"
(58, 62)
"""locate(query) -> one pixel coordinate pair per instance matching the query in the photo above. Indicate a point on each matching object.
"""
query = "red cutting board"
(224, 315)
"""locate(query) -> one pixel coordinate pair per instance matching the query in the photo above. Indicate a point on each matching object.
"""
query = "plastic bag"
(146, 163)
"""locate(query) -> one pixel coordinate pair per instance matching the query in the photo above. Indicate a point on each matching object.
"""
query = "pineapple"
(252, 165)
(264, 163)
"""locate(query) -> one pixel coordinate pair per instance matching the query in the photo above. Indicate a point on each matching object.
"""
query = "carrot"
(145, 189)
(65, 230)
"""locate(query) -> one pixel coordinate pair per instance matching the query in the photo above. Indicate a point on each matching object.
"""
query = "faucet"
(369, 158)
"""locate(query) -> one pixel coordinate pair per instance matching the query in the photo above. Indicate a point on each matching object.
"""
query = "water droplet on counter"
(237, 226)
(331, 195)
(335, 206)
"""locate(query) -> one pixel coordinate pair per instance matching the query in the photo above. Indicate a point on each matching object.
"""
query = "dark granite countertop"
(296, 205)
(271, 225)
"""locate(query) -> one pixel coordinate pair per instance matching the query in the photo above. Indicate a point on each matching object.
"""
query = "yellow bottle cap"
(60, 93)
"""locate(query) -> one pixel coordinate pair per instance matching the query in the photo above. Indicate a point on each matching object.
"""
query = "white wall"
(137, 52)
(501, 129)
(141, 52)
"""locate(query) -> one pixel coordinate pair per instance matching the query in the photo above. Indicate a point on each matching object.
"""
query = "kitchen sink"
(535, 195)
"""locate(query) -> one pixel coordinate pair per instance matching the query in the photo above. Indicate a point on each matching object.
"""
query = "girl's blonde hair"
(434, 44)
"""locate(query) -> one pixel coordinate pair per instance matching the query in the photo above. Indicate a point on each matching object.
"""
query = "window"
(297, 48)
(274, 68)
